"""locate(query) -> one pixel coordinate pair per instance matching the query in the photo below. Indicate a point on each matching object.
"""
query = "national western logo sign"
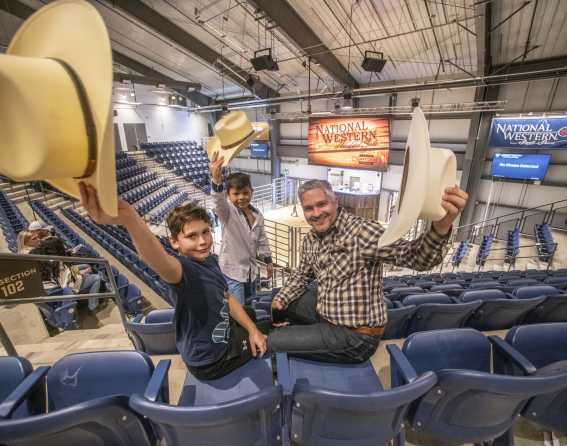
(529, 133)
(357, 142)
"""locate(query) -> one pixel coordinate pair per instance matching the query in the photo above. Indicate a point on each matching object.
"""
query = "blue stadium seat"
(242, 408)
(398, 320)
(428, 298)
(88, 403)
(18, 373)
(343, 404)
(538, 351)
(156, 334)
(497, 310)
(438, 316)
(469, 404)
(527, 292)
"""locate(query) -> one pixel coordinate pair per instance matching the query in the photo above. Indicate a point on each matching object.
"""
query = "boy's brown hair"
(238, 180)
(185, 214)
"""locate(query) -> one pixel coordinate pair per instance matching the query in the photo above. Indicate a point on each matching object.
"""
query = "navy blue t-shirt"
(202, 327)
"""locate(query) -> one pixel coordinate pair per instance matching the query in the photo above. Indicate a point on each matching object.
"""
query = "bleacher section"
(460, 253)
(185, 158)
(11, 221)
(491, 300)
(484, 249)
(119, 244)
(130, 295)
(512, 246)
(545, 243)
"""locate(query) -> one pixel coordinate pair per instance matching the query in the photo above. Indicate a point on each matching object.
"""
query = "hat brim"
(69, 30)
(414, 181)
(214, 145)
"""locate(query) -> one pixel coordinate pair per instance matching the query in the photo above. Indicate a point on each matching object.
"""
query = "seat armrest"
(508, 353)
(400, 366)
(159, 383)
(284, 374)
(22, 391)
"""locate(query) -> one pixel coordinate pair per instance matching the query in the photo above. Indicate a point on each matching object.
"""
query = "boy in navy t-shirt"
(214, 333)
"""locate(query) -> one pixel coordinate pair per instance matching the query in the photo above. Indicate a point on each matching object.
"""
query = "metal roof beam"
(175, 33)
(295, 28)
(550, 63)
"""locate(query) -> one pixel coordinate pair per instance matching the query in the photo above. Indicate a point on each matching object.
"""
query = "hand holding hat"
(428, 189)
(91, 202)
(55, 102)
(233, 133)
(215, 168)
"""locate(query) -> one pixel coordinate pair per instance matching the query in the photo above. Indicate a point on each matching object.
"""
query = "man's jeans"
(315, 338)
(244, 292)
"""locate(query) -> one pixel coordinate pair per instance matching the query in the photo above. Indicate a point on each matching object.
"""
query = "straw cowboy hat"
(427, 172)
(55, 102)
(233, 132)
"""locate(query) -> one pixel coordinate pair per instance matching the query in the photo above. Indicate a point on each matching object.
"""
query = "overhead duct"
(420, 86)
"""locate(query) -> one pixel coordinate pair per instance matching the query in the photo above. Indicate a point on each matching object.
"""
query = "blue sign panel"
(529, 133)
(520, 167)
(259, 150)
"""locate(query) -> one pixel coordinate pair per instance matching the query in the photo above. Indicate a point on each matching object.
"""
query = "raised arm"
(147, 244)
(222, 208)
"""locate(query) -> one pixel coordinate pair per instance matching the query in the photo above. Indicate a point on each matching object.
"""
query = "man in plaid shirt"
(343, 318)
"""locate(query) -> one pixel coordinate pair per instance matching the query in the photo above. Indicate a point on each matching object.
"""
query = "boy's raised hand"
(89, 200)
(258, 343)
(215, 168)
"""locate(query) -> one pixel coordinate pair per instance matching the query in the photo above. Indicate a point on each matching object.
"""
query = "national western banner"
(354, 142)
(529, 133)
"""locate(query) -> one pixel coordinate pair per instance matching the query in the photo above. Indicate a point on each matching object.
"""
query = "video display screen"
(520, 166)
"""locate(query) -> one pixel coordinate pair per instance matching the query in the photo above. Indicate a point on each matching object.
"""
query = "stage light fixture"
(264, 61)
(373, 61)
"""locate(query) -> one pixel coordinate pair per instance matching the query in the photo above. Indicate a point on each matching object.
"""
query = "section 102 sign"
(355, 142)
(529, 132)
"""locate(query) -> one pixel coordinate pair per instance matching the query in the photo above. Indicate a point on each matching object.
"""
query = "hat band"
(88, 117)
(234, 144)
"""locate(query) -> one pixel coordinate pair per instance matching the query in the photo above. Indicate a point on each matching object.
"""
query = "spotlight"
(347, 98)
(414, 103)
(373, 61)
(264, 61)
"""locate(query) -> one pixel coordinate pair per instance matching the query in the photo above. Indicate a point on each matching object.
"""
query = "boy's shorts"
(237, 354)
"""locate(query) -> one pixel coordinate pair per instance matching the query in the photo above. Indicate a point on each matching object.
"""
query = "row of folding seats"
(512, 246)
(127, 172)
(545, 243)
(466, 278)
(460, 252)
(157, 215)
(483, 309)
(11, 221)
(147, 204)
(484, 249)
(122, 253)
(124, 161)
(142, 191)
(132, 182)
(63, 230)
(447, 386)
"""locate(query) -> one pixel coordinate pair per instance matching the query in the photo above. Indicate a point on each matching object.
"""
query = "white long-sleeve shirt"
(241, 244)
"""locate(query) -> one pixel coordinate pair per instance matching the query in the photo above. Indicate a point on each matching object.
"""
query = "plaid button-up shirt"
(347, 264)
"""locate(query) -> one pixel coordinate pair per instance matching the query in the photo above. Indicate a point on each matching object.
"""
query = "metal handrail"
(113, 294)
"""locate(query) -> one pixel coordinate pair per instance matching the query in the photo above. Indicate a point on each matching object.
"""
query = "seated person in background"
(243, 234)
(26, 241)
(40, 229)
(214, 333)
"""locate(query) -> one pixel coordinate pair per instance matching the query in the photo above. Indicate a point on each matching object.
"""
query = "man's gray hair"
(316, 184)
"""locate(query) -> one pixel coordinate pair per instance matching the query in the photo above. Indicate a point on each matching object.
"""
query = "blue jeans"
(244, 292)
(92, 284)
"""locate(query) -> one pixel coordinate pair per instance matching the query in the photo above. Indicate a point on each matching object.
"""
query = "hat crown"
(233, 128)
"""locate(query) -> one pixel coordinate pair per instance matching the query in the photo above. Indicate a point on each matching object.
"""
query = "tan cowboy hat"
(427, 172)
(55, 102)
(233, 132)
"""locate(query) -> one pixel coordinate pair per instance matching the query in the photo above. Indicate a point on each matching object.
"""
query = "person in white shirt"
(243, 235)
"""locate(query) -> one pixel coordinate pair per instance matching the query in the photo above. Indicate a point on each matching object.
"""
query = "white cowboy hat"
(233, 132)
(427, 172)
(37, 225)
(55, 102)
